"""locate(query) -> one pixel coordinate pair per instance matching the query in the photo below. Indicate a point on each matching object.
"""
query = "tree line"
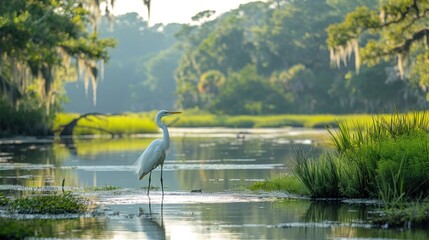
(271, 57)
(285, 57)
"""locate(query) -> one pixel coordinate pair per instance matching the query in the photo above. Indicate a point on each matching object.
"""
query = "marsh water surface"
(220, 162)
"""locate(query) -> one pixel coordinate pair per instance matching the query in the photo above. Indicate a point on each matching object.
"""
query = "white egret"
(154, 154)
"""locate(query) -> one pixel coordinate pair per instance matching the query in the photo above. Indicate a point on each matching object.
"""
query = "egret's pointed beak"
(174, 112)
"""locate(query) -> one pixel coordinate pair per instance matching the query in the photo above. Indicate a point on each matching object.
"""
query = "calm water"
(220, 162)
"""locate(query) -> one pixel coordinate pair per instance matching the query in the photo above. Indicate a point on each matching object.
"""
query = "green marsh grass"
(125, 124)
(387, 159)
(283, 183)
(320, 176)
(102, 188)
(135, 123)
(50, 204)
(382, 156)
(4, 201)
(267, 121)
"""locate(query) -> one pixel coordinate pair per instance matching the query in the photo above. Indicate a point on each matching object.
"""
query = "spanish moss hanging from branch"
(398, 31)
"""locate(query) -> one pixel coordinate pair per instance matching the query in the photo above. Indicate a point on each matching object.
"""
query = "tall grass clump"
(387, 159)
(320, 176)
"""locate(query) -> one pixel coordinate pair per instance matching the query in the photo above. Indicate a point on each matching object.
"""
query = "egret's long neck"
(165, 135)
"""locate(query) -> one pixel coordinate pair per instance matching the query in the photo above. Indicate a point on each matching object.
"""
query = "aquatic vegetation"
(50, 204)
(14, 229)
(386, 159)
(391, 156)
(284, 183)
(4, 201)
(320, 177)
(152, 188)
(103, 188)
(414, 215)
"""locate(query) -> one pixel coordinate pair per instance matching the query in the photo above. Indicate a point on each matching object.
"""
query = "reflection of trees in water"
(336, 211)
(265, 214)
(88, 228)
(43, 159)
(88, 148)
(68, 142)
(212, 151)
(50, 156)
(345, 215)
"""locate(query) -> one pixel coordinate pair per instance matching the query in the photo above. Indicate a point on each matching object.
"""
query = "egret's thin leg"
(162, 183)
(150, 208)
(162, 211)
(148, 187)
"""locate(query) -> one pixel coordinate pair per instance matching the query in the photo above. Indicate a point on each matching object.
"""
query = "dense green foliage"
(321, 178)
(396, 31)
(387, 159)
(42, 45)
(140, 73)
(226, 65)
(262, 58)
(27, 119)
(277, 49)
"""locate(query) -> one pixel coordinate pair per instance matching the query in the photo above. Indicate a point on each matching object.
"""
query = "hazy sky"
(180, 11)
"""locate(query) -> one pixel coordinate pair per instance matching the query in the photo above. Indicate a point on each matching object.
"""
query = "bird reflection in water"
(153, 222)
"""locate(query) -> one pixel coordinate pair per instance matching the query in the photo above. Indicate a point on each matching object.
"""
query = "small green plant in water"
(106, 188)
(4, 201)
(414, 215)
(284, 183)
(50, 204)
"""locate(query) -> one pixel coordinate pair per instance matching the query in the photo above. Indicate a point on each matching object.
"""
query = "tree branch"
(405, 13)
(405, 47)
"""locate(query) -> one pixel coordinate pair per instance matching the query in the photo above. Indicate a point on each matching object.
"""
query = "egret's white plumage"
(151, 158)
(154, 155)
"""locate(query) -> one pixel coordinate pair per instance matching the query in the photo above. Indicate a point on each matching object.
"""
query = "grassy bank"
(387, 159)
(135, 123)
(130, 123)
